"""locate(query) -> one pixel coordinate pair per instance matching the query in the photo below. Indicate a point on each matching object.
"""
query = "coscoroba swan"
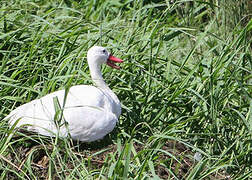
(86, 113)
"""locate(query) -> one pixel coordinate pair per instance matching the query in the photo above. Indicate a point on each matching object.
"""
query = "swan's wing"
(84, 112)
(84, 123)
(45, 107)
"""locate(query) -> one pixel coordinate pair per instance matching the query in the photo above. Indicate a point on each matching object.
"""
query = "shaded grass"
(186, 80)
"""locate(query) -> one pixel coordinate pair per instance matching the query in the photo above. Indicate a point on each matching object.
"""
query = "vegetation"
(185, 87)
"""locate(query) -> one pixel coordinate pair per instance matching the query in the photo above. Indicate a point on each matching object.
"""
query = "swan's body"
(87, 113)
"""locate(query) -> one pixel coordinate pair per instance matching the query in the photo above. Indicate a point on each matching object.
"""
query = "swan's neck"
(96, 76)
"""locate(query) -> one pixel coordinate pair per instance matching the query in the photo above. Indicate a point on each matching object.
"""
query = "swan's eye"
(104, 51)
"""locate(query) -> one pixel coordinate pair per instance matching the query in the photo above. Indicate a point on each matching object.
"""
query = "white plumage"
(89, 112)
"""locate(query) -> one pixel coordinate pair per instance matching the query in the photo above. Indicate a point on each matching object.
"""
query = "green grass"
(185, 87)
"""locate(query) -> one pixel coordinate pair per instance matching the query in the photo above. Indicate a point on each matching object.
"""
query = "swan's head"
(98, 55)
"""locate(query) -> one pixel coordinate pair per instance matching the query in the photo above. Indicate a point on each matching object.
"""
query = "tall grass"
(185, 87)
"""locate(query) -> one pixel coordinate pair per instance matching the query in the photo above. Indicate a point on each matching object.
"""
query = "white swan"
(89, 112)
